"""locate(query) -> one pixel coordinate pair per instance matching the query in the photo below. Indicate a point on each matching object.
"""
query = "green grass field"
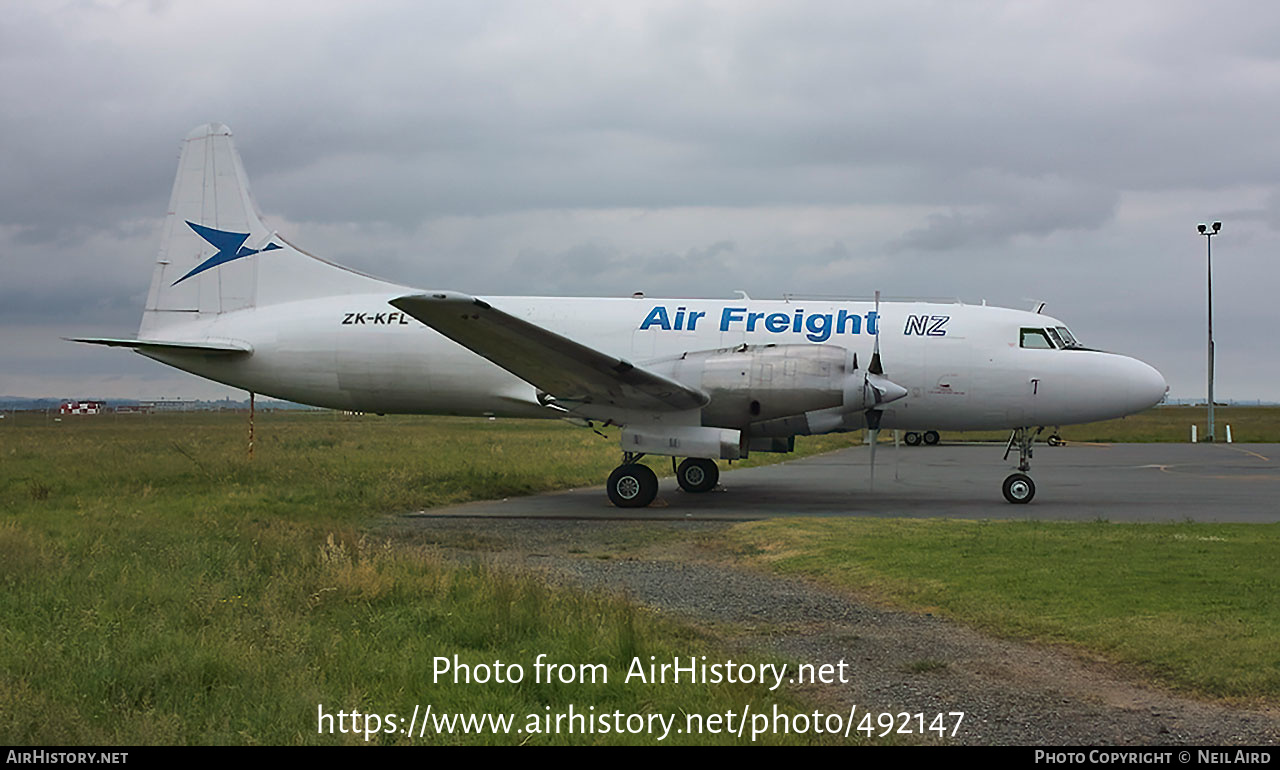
(1195, 606)
(1249, 424)
(156, 586)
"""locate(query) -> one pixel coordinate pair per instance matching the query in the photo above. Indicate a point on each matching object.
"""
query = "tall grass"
(156, 586)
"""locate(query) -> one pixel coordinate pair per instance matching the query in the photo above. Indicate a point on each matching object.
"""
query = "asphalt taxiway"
(1116, 482)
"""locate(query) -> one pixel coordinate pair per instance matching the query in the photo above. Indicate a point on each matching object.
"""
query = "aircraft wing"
(567, 370)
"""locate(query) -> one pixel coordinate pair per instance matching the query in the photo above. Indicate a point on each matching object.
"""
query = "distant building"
(174, 405)
(82, 407)
(132, 409)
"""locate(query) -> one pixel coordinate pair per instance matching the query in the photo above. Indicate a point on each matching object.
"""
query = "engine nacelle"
(753, 383)
(794, 389)
(758, 383)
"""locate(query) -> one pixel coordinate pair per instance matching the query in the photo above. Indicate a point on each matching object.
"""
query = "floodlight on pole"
(1208, 240)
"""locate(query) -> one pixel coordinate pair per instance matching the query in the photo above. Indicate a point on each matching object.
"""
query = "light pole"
(1208, 245)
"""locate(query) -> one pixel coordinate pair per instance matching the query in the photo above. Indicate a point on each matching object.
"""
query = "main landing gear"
(632, 485)
(1018, 487)
(929, 437)
(697, 474)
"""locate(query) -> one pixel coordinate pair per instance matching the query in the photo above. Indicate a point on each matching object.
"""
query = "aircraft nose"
(1146, 385)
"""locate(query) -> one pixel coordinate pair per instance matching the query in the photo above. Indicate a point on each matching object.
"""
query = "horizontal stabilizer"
(566, 370)
(224, 346)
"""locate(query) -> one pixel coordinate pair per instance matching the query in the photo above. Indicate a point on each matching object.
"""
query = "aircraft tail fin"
(217, 255)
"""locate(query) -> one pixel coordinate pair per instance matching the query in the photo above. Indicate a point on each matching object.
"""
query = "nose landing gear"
(1018, 487)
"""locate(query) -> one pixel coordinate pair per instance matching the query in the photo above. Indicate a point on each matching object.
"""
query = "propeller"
(878, 390)
(874, 391)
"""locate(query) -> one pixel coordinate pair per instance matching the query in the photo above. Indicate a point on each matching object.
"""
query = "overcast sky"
(1008, 151)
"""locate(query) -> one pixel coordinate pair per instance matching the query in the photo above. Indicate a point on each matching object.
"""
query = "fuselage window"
(1036, 338)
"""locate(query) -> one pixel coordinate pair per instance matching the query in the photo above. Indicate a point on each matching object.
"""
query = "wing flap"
(567, 370)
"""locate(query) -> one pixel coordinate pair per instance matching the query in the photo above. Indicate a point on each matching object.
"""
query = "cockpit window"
(1067, 337)
(1036, 338)
(1056, 337)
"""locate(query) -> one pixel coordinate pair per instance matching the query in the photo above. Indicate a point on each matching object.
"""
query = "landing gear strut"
(632, 485)
(1018, 487)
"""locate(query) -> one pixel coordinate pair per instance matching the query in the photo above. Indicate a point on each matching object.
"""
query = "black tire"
(698, 474)
(1019, 488)
(1055, 440)
(912, 438)
(931, 437)
(632, 486)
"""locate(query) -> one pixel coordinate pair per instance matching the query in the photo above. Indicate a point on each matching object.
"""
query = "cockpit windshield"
(1051, 338)
(1036, 338)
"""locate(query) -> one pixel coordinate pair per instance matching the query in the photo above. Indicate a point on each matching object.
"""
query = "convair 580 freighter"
(699, 379)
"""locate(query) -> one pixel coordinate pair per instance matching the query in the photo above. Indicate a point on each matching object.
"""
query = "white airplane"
(703, 379)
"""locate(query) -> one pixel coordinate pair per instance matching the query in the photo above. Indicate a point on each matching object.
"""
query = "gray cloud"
(1059, 150)
(1021, 207)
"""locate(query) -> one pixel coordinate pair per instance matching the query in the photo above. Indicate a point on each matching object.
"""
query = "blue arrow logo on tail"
(229, 245)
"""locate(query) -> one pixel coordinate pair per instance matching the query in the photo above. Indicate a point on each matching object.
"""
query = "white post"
(1193, 433)
(1228, 434)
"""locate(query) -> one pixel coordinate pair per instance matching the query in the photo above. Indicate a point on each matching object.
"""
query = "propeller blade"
(873, 429)
(876, 367)
(875, 437)
(875, 393)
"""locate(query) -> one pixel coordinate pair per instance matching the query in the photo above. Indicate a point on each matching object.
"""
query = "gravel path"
(1011, 693)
